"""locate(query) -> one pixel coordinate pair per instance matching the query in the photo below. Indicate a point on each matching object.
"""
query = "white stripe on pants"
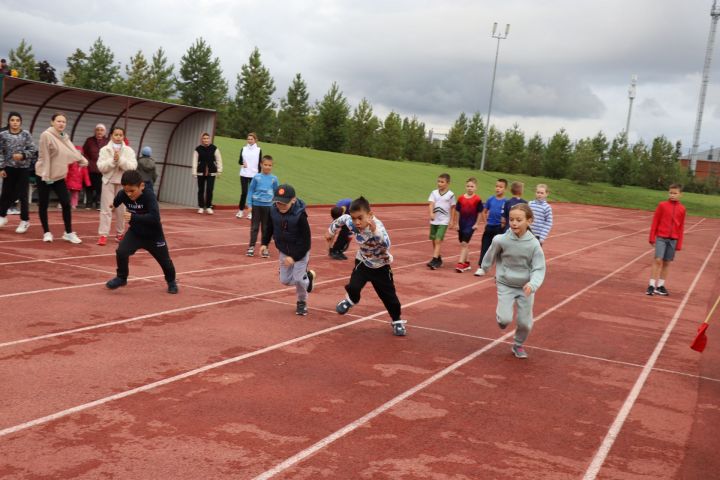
(507, 297)
(109, 191)
(296, 275)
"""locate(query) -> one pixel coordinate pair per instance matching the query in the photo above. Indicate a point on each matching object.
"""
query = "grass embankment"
(324, 177)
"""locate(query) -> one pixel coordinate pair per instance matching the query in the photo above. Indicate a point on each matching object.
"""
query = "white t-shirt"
(443, 206)
(251, 158)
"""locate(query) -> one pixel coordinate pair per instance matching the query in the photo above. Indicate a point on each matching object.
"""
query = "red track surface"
(224, 381)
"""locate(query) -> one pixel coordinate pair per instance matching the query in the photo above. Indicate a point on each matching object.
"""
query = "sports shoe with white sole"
(71, 237)
(249, 217)
(201, 211)
(311, 280)
(3, 221)
(519, 351)
(23, 227)
(239, 214)
(662, 291)
(209, 211)
(47, 237)
(301, 308)
(343, 306)
(479, 272)
(398, 327)
(250, 252)
(650, 290)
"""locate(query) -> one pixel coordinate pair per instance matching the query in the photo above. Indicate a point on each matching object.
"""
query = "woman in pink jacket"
(114, 159)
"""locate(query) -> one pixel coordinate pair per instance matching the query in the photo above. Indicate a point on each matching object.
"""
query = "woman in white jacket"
(114, 159)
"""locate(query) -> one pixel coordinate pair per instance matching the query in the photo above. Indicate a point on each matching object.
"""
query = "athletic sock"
(652, 282)
(661, 282)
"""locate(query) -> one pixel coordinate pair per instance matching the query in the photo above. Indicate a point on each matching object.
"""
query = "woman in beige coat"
(114, 159)
(55, 152)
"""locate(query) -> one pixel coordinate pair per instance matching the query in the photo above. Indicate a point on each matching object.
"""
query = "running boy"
(145, 230)
(542, 211)
(492, 215)
(666, 233)
(337, 250)
(442, 214)
(520, 272)
(516, 188)
(291, 230)
(372, 262)
(469, 207)
(260, 197)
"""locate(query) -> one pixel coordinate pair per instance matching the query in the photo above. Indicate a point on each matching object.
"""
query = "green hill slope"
(324, 177)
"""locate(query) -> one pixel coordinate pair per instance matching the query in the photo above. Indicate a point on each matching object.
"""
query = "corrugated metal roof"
(165, 127)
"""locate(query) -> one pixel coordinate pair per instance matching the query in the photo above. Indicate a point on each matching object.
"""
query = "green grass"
(325, 177)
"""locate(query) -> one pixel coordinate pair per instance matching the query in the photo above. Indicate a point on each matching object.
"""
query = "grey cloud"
(652, 107)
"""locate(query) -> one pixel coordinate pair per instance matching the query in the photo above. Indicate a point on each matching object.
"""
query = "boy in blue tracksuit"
(337, 251)
(291, 230)
(260, 198)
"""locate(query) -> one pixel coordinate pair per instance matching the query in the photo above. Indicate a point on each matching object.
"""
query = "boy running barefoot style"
(469, 207)
(666, 233)
(372, 262)
(520, 272)
(492, 216)
(291, 230)
(542, 211)
(442, 214)
(145, 231)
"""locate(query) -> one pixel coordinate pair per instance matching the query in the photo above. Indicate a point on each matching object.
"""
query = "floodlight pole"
(499, 37)
(714, 15)
(631, 95)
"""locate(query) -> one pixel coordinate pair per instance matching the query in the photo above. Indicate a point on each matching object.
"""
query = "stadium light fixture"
(498, 36)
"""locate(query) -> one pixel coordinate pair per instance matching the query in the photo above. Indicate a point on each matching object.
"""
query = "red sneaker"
(459, 267)
(102, 241)
(119, 237)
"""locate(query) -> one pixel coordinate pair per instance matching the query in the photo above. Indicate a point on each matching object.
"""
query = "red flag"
(701, 339)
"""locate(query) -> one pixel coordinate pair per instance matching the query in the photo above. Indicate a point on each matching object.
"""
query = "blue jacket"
(261, 190)
(290, 230)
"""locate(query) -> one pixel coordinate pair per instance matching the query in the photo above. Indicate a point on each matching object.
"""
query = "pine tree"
(600, 144)
(138, 81)
(473, 141)
(453, 148)
(584, 162)
(416, 144)
(557, 155)
(76, 73)
(254, 108)
(330, 124)
(294, 115)
(46, 72)
(493, 154)
(620, 161)
(201, 83)
(362, 130)
(391, 143)
(22, 59)
(102, 73)
(162, 79)
(513, 150)
(535, 155)
(658, 171)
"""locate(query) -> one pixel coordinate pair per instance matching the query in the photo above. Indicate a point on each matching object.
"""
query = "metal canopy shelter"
(172, 131)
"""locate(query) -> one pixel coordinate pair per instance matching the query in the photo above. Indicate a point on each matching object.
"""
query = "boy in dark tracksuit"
(143, 213)
(337, 250)
(372, 262)
(290, 228)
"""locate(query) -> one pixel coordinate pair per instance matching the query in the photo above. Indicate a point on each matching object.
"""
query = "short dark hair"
(14, 114)
(471, 179)
(446, 176)
(676, 185)
(205, 134)
(267, 157)
(360, 204)
(58, 114)
(336, 212)
(516, 188)
(116, 127)
(505, 182)
(131, 177)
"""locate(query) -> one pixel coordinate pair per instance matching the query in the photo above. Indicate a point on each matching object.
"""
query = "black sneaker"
(250, 252)
(116, 283)
(431, 262)
(398, 327)
(311, 280)
(337, 256)
(650, 290)
(343, 306)
(342, 256)
(662, 291)
(301, 308)
(172, 287)
(436, 264)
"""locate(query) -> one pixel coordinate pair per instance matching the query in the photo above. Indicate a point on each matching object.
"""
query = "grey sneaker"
(343, 306)
(519, 351)
(71, 237)
(398, 327)
(301, 308)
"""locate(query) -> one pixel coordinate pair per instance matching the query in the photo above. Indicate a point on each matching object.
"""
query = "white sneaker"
(23, 227)
(479, 272)
(48, 237)
(250, 216)
(3, 221)
(239, 214)
(209, 211)
(201, 210)
(13, 211)
(71, 237)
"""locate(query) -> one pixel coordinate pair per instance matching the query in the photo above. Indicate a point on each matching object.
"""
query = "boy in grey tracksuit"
(520, 272)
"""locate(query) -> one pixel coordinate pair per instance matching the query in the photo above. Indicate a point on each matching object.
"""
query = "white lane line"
(612, 434)
(282, 466)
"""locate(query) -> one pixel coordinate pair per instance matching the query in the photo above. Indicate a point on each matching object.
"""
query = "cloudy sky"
(566, 63)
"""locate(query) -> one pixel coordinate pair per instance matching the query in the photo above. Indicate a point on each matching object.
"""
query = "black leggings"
(383, 283)
(490, 232)
(206, 185)
(132, 242)
(260, 215)
(15, 186)
(244, 186)
(61, 191)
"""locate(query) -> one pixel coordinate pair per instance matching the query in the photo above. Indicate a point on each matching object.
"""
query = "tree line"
(331, 124)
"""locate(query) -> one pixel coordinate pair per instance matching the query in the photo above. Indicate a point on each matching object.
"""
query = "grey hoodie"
(520, 260)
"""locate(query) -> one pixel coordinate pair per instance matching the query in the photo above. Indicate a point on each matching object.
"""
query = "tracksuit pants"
(383, 283)
(295, 275)
(132, 242)
(508, 297)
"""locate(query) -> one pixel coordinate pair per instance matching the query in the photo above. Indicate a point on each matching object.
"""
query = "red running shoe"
(119, 237)
(102, 241)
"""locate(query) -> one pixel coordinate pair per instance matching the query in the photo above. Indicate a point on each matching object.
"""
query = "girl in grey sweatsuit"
(520, 272)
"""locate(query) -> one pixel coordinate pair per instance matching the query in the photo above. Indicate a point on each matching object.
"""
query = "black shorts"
(465, 235)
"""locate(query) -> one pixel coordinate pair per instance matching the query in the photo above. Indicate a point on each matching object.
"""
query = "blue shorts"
(665, 248)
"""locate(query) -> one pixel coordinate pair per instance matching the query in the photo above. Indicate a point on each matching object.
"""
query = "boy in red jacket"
(666, 233)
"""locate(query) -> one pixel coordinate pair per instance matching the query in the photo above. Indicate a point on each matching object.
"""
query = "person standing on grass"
(206, 166)
(372, 262)
(115, 158)
(55, 153)
(146, 232)
(469, 207)
(492, 216)
(516, 188)
(17, 151)
(666, 233)
(91, 149)
(260, 198)
(442, 214)
(342, 241)
(542, 211)
(249, 161)
(290, 228)
(520, 272)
